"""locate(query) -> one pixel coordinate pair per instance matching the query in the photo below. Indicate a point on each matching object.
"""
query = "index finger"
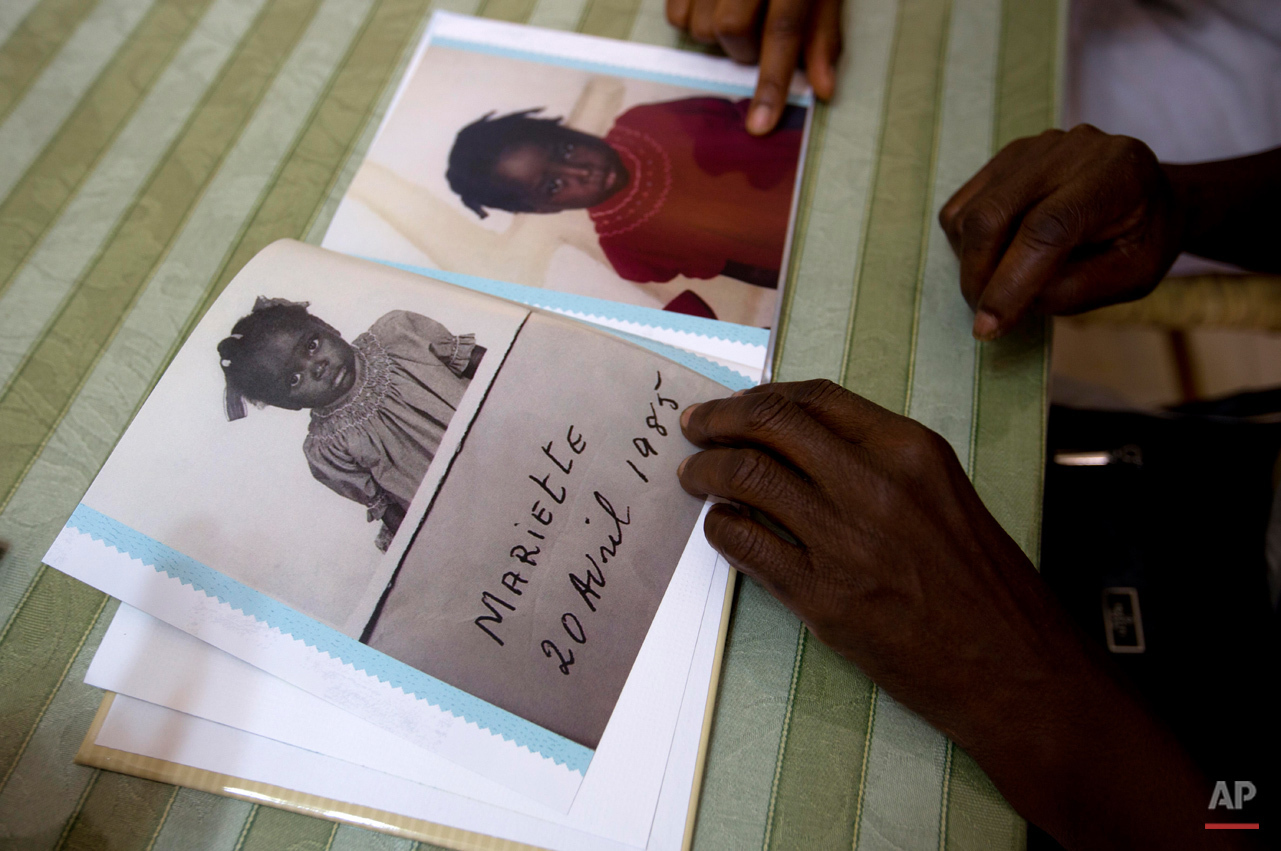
(762, 420)
(1036, 258)
(995, 168)
(823, 48)
(846, 415)
(780, 49)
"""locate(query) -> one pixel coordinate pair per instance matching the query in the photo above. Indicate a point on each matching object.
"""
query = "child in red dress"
(674, 188)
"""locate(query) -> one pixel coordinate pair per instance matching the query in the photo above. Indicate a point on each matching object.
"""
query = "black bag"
(1154, 533)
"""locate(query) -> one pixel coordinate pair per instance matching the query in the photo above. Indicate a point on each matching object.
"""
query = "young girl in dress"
(674, 188)
(379, 405)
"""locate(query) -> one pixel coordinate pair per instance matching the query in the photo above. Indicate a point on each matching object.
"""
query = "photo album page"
(451, 515)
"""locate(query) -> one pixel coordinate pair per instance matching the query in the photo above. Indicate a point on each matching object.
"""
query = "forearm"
(1067, 740)
(1231, 209)
(1087, 763)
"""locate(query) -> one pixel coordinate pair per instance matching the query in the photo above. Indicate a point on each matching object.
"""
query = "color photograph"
(625, 189)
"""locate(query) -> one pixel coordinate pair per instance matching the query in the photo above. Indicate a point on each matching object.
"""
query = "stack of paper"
(478, 609)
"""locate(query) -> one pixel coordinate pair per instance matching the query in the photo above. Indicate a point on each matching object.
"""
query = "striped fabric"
(148, 148)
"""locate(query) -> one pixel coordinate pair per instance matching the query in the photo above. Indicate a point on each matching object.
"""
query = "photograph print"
(288, 441)
(626, 189)
(482, 492)
(379, 405)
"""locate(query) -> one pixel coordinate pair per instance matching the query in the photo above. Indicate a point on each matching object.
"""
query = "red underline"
(1230, 826)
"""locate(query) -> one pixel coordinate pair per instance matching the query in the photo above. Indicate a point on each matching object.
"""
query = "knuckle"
(729, 535)
(982, 221)
(1084, 131)
(751, 472)
(722, 529)
(1025, 143)
(1052, 227)
(769, 413)
(1131, 151)
(785, 27)
(702, 31)
(752, 548)
(733, 21)
(749, 545)
(947, 216)
(822, 392)
(701, 26)
(922, 451)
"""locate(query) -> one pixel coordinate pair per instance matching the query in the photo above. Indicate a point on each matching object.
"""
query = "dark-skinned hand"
(1067, 222)
(894, 562)
(776, 33)
(1062, 223)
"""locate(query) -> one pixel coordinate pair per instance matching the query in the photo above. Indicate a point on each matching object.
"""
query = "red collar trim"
(651, 183)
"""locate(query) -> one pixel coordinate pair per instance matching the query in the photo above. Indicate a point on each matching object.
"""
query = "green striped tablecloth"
(148, 148)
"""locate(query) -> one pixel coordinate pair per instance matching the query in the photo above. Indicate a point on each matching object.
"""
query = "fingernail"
(685, 414)
(828, 73)
(680, 468)
(758, 119)
(985, 326)
(738, 393)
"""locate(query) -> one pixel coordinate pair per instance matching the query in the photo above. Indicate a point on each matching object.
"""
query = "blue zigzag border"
(556, 300)
(608, 68)
(361, 657)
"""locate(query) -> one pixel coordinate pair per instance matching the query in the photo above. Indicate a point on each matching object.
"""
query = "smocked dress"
(374, 445)
(703, 191)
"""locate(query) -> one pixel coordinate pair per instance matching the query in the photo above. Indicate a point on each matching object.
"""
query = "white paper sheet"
(367, 766)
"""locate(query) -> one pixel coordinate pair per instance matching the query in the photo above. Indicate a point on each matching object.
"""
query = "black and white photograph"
(379, 405)
(294, 429)
(551, 542)
(466, 485)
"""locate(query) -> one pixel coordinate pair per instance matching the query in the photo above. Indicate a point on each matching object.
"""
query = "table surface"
(151, 147)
